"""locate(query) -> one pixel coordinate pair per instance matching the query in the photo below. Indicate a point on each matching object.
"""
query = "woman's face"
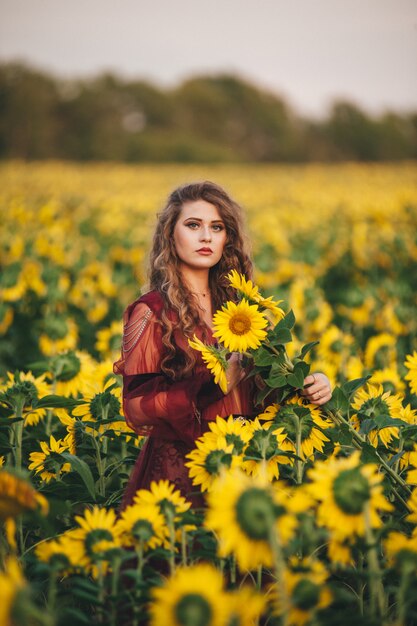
(199, 235)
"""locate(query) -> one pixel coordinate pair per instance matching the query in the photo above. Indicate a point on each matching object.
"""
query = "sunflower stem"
(377, 600)
(233, 570)
(101, 593)
(171, 529)
(114, 587)
(279, 565)
(299, 465)
(402, 603)
(259, 578)
(52, 592)
(183, 546)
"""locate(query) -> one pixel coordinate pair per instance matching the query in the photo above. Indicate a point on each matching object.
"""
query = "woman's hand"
(234, 372)
(317, 388)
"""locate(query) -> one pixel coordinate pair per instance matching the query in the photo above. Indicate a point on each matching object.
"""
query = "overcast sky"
(309, 51)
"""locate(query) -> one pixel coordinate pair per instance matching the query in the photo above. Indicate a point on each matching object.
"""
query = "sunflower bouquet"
(257, 328)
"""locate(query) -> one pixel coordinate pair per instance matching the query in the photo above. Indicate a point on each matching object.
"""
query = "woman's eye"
(192, 225)
(217, 227)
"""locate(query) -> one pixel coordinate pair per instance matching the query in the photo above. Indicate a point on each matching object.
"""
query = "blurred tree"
(207, 118)
(351, 133)
(28, 113)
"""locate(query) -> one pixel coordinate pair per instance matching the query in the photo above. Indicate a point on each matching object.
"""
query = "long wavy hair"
(165, 275)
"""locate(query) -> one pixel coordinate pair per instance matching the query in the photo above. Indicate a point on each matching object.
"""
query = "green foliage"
(220, 118)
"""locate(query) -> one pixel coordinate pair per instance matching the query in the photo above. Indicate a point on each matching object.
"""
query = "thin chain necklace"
(200, 293)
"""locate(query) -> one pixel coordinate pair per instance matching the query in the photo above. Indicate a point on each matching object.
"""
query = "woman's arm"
(151, 398)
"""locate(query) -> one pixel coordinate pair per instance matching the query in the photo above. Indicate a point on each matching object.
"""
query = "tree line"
(215, 118)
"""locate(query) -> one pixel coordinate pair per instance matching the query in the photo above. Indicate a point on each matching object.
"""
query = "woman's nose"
(205, 233)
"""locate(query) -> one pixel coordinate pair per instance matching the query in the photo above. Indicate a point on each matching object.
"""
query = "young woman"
(168, 392)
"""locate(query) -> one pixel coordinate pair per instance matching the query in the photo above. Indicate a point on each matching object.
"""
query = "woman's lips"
(205, 251)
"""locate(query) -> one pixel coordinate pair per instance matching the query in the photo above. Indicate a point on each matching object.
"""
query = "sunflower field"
(311, 511)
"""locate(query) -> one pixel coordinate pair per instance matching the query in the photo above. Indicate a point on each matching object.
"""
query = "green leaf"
(306, 349)
(57, 402)
(352, 385)
(262, 394)
(369, 454)
(276, 380)
(282, 335)
(339, 401)
(288, 321)
(263, 357)
(386, 421)
(81, 467)
(367, 426)
(296, 379)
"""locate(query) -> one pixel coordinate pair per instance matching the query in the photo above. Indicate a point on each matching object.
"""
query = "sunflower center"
(66, 366)
(97, 541)
(215, 460)
(142, 529)
(104, 405)
(255, 513)
(305, 594)
(239, 324)
(351, 491)
(193, 610)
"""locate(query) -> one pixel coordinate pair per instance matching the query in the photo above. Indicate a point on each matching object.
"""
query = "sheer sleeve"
(153, 402)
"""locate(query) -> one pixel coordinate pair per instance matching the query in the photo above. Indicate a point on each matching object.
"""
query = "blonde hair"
(165, 277)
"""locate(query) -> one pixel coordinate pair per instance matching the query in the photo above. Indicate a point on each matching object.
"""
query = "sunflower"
(244, 512)
(142, 524)
(299, 414)
(164, 494)
(305, 584)
(370, 402)
(399, 548)
(389, 378)
(264, 447)
(6, 318)
(210, 457)
(72, 435)
(334, 346)
(60, 334)
(215, 361)
(62, 552)
(245, 606)
(240, 326)
(97, 533)
(250, 291)
(109, 339)
(20, 393)
(380, 351)
(346, 491)
(12, 582)
(47, 463)
(100, 403)
(18, 496)
(236, 431)
(193, 596)
(72, 372)
(411, 364)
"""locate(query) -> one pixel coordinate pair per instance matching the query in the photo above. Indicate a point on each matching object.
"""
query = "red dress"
(172, 414)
